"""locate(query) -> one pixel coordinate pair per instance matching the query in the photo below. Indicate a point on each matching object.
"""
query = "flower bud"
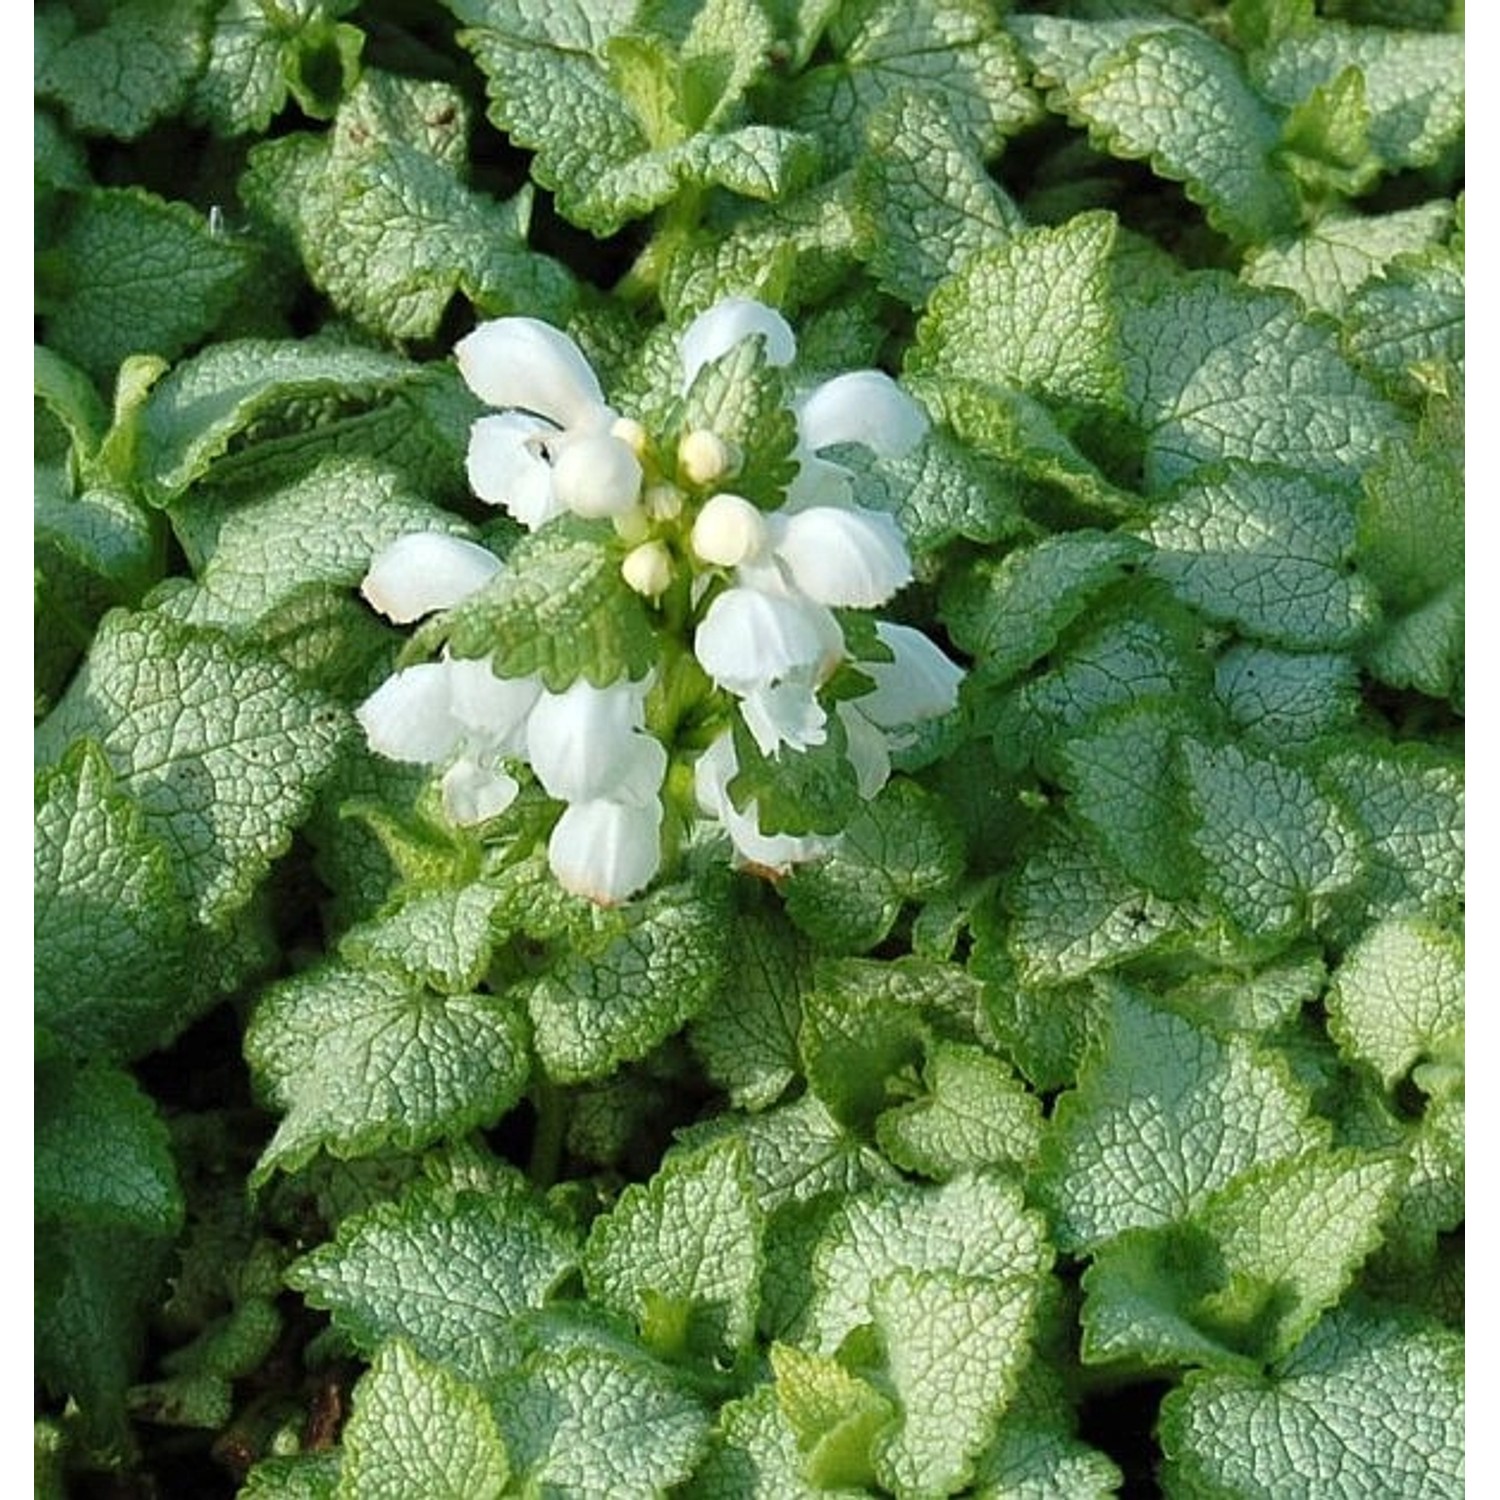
(703, 457)
(597, 475)
(632, 434)
(728, 531)
(648, 569)
(632, 526)
(663, 502)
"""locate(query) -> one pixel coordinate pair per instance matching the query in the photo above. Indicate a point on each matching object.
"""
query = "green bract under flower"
(741, 596)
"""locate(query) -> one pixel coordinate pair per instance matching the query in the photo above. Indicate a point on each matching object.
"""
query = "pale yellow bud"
(703, 457)
(648, 569)
(632, 525)
(663, 502)
(728, 531)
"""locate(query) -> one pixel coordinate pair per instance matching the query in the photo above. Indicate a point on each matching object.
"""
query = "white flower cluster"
(760, 589)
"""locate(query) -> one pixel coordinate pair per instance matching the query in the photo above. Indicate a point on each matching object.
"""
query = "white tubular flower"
(410, 718)
(424, 571)
(920, 683)
(596, 475)
(729, 531)
(507, 467)
(787, 713)
(778, 852)
(727, 323)
(864, 406)
(606, 851)
(474, 792)
(582, 743)
(527, 365)
(751, 639)
(492, 710)
(844, 556)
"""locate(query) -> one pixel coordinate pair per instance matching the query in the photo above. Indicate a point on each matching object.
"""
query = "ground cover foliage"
(1090, 1120)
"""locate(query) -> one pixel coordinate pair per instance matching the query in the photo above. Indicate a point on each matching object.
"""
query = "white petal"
(409, 716)
(921, 683)
(424, 571)
(787, 714)
(492, 710)
(474, 792)
(712, 773)
(582, 742)
(845, 556)
(818, 482)
(596, 475)
(725, 324)
(750, 639)
(605, 850)
(864, 406)
(526, 364)
(868, 752)
(506, 468)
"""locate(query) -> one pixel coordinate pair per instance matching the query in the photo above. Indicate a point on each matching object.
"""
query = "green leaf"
(101, 1155)
(904, 846)
(1216, 371)
(950, 51)
(382, 220)
(362, 1061)
(254, 545)
(449, 1271)
(1036, 314)
(1397, 994)
(1406, 330)
(441, 939)
(926, 204)
(975, 1228)
(1035, 1456)
(69, 395)
(1332, 260)
(140, 275)
(1409, 799)
(102, 533)
(1265, 549)
(1368, 1400)
(1286, 700)
(834, 1415)
(418, 1430)
(559, 610)
(208, 401)
(218, 747)
(306, 1476)
(258, 55)
(954, 1347)
(564, 1414)
(595, 1010)
(1265, 1257)
(680, 1255)
(746, 1035)
(1413, 84)
(1172, 95)
(1074, 912)
(1009, 613)
(130, 67)
(796, 791)
(974, 1113)
(1275, 848)
(110, 927)
(1164, 1115)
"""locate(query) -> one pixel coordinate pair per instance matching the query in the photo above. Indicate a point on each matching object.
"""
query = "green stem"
(551, 1126)
(675, 225)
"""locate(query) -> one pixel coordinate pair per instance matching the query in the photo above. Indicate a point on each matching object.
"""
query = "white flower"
(752, 638)
(424, 571)
(727, 323)
(715, 769)
(847, 557)
(785, 713)
(729, 530)
(605, 850)
(587, 742)
(919, 683)
(865, 407)
(457, 714)
(555, 445)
